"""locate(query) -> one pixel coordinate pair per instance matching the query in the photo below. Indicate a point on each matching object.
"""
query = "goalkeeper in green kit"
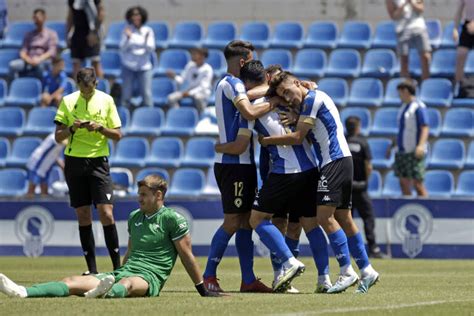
(157, 236)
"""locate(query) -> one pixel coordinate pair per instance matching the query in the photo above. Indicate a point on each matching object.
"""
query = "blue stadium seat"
(12, 121)
(469, 65)
(219, 34)
(40, 121)
(375, 184)
(124, 114)
(103, 85)
(391, 93)
(158, 171)
(166, 152)
(310, 62)
(336, 88)
(13, 182)
(217, 61)
(6, 56)
(130, 153)
(122, 179)
(114, 34)
(211, 187)
(199, 152)
(434, 32)
(380, 63)
(463, 102)
(465, 185)
(447, 40)
(443, 63)
(161, 31)
(362, 113)
(447, 153)
(70, 87)
(3, 91)
(66, 56)
(355, 34)
(385, 35)
(391, 185)
(22, 148)
(366, 92)
(24, 92)
(277, 56)
(207, 125)
(187, 182)
(439, 183)
(385, 122)
(257, 33)
(55, 175)
(16, 31)
(458, 122)
(321, 35)
(161, 88)
(469, 164)
(378, 148)
(436, 92)
(60, 28)
(287, 35)
(344, 63)
(174, 59)
(146, 121)
(434, 121)
(111, 64)
(414, 63)
(180, 122)
(4, 150)
(186, 35)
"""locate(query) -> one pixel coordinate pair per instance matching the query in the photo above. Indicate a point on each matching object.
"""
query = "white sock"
(367, 271)
(290, 262)
(347, 269)
(322, 279)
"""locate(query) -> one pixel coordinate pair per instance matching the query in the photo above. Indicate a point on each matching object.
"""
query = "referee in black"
(88, 118)
(361, 157)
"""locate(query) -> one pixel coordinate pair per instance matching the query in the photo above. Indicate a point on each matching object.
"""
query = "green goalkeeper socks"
(117, 291)
(50, 289)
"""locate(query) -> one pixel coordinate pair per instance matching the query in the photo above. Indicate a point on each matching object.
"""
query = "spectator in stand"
(466, 39)
(136, 48)
(54, 83)
(195, 81)
(411, 33)
(84, 20)
(39, 46)
(3, 17)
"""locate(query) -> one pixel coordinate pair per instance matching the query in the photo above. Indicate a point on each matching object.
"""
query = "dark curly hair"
(141, 10)
(277, 80)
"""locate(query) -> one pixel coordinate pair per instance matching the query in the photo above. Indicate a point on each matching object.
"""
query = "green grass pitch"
(406, 287)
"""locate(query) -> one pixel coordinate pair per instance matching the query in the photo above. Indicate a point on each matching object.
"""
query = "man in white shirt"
(195, 81)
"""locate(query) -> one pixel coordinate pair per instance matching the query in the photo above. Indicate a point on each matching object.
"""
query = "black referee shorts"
(88, 180)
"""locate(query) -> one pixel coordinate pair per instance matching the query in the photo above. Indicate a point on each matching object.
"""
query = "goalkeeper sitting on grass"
(157, 236)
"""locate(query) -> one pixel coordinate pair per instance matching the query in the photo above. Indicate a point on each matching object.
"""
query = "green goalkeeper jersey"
(152, 248)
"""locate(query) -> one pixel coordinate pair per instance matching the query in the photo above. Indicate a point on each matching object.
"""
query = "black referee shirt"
(360, 153)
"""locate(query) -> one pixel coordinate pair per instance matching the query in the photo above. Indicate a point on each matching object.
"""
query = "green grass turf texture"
(406, 287)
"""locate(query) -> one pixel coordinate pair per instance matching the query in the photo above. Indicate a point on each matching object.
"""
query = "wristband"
(100, 129)
(71, 130)
(201, 289)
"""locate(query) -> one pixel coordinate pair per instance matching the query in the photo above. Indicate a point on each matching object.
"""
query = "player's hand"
(455, 35)
(77, 124)
(311, 85)
(288, 118)
(127, 31)
(419, 152)
(262, 140)
(92, 126)
(92, 39)
(275, 101)
(170, 73)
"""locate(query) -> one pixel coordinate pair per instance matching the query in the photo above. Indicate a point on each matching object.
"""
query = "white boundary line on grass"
(373, 308)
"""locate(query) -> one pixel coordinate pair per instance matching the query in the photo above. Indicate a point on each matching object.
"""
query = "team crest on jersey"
(413, 225)
(34, 226)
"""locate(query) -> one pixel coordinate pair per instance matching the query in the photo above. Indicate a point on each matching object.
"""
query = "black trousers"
(361, 201)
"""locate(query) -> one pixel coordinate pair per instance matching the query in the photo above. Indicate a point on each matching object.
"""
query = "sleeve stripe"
(180, 236)
(307, 119)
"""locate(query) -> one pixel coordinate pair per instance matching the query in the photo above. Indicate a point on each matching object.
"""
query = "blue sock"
(319, 248)
(244, 245)
(273, 239)
(338, 242)
(294, 246)
(358, 252)
(218, 245)
(276, 263)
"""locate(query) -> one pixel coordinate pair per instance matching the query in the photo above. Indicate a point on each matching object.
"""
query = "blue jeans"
(19, 68)
(130, 79)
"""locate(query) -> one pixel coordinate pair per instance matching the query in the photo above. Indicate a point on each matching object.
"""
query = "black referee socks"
(88, 247)
(111, 240)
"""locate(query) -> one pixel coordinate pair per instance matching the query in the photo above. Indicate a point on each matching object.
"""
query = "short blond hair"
(155, 183)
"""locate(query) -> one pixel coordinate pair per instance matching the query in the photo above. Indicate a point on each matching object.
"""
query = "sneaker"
(343, 282)
(290, 271)
(292, 290)
(89, 273)
(10, 288)
(256, 286)
(212, 285)
(104, 286)
(366, 282)
(323, 287)
(376, 253)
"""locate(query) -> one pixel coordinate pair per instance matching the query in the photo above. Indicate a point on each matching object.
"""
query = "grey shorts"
(413, 39)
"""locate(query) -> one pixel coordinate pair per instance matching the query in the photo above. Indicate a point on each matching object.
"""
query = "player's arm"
(417, 5)
(238, 146)
(125, 257)
(249, 111)
(257, 92)
(395, 12)
(294, 138)
(183, 246)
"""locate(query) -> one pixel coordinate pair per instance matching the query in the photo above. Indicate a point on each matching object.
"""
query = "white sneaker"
(323, 287)
(343, 282)
(291, 269)
(10, 288)
(366, 282)
(292, 290)
(104, 286)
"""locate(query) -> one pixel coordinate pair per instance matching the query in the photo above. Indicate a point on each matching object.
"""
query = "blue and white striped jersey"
(229, 91)
(44, 156)
(284, 159)
(327, 134)
(411, 118)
